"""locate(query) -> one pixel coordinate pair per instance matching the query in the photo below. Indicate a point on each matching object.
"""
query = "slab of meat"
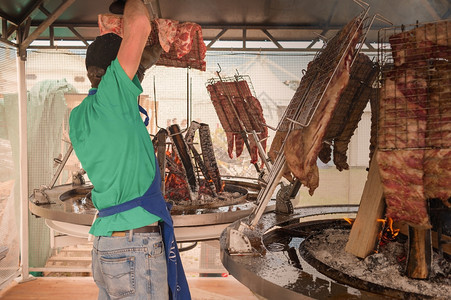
(402, 179)
(432, 40)
(349, 111)
(402, 129)
(403, 103)
(226, 116)
(182, 42)
(437, 161)
(303, 145)
(249, 111)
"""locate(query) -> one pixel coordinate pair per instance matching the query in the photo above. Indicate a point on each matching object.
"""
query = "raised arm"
(136, 31)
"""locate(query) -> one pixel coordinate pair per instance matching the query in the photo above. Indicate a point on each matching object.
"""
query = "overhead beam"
(44, 25)
(216, 38)
(431, 10)
(274, 40)
(210, 49)
(75, 32)
(71, 28)
(3, 40)
(4, 27)
(325, 27)
(10, 30)
(35, 4)
(6, 17)
(227, 26)
(323, 33)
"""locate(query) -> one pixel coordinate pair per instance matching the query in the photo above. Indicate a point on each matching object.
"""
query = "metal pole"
(23, 167)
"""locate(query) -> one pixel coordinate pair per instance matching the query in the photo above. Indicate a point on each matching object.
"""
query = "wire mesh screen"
(9, 166)
(56, 82)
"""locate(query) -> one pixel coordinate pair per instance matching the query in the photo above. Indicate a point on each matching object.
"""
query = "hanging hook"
(220, 69)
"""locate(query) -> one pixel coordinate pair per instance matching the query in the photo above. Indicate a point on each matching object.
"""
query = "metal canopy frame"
(43, 18)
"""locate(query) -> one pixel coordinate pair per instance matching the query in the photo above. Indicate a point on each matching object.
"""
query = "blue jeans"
(130, 268)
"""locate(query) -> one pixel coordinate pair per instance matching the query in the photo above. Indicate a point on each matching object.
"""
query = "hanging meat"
(414, 135)
(182, 42)
(437, 157)
(431, 40)
(235, 105)
(303, 145)
(402, 129)
(349, 111)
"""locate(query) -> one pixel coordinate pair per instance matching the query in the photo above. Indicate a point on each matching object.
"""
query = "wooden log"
(182, 151)
(189, 137)
(208, 155)
(419, 256)
(365, 231)
(446, 240)
(161, 155)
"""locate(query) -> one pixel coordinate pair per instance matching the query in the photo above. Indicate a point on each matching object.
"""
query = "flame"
(349, 220)
(222, 187)
(388, 234)
(176, 187)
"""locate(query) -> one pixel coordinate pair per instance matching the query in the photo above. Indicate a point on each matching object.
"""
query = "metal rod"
(61, 166)
(265, 194)
(261, 151)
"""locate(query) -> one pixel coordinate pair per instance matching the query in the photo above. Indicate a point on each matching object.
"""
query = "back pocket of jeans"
(119, 275)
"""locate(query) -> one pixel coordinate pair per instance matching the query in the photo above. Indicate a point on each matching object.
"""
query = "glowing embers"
(177, 189)
(386, 235)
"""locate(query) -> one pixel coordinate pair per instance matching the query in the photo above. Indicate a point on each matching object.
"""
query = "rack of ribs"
(414, 134)
(316, 105)
(349, 111)
(240, 113)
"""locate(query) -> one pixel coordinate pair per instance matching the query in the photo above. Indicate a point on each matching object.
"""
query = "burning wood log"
(161, 136)
(181, 149)
(420, 253)
(197, 158)
(208, 155)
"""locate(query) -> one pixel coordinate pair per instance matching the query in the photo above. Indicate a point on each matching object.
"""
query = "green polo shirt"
(114, 147)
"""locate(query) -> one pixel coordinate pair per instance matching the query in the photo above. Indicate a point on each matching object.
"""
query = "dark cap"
(103, 50)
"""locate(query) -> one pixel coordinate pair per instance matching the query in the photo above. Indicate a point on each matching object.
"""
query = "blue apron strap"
(112, 210)
(154, 190)
(143, 111)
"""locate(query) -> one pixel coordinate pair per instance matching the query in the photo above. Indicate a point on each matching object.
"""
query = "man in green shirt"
(114, 147)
